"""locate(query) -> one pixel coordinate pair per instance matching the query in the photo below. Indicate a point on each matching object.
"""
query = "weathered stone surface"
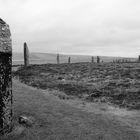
(5, 41)
(26, 55)
(5, 78)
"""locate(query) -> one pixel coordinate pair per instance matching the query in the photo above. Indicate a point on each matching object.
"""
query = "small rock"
(27, 121)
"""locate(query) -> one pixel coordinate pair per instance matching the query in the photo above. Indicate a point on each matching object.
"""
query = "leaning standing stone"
(5, 78)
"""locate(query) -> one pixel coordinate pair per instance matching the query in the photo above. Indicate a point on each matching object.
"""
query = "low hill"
(42, 58)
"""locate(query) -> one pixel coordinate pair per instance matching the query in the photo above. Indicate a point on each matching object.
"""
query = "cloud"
(102, 27)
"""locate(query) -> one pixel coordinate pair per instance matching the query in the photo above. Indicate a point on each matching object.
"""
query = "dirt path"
(57, 120)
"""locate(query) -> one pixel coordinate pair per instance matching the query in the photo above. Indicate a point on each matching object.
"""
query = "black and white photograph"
(69, 70)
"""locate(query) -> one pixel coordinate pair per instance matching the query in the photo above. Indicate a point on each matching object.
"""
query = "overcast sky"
(93, 27)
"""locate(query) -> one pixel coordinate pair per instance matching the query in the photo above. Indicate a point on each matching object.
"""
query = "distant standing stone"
(139, 58)
(98, 59)
(26, 55)
(69, 60)
(58, 61)
(92, 59)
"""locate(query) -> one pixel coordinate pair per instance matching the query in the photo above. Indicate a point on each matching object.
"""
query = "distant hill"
(42, 58)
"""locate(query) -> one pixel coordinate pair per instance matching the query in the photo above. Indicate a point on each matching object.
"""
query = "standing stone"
(98, 59)
(139, 58)
(26, 55)
(92, 59)
(57, 58)
(5, 78)
(69, 60)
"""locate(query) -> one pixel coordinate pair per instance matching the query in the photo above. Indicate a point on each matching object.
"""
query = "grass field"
(116, 83)
(56, 120)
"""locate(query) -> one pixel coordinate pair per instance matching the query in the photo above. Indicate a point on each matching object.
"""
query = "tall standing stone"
(58, 58)
(26, 55)
(5, 78)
